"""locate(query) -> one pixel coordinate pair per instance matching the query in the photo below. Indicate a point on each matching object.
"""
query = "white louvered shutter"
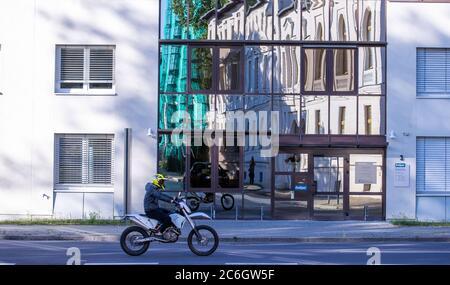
(71, 68)
(101, 68)
(433, 71)
(85, 159)
(432, 162)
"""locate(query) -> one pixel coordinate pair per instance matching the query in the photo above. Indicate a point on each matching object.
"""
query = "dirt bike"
(195, 199)
(202, 240)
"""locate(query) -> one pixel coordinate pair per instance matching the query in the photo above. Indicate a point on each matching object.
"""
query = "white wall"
(31, 113)
(411, 25)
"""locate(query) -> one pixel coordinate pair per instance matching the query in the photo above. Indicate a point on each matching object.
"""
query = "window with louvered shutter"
(85, 70)
(433, 71)
(84, 160)
(433, 164)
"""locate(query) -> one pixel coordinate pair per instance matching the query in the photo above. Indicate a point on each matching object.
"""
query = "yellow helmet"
(159, 181)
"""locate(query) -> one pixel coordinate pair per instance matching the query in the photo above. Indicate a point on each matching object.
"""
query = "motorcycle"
(195, 199)
(202, 240)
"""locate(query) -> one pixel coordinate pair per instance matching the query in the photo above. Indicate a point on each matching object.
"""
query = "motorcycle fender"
(199, 215)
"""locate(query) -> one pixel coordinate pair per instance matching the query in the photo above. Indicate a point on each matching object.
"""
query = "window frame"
(86, 90)
(329, 70)
(82, 187)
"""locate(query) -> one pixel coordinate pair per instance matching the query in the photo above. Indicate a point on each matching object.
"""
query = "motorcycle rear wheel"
(127, 236)
(209, 235)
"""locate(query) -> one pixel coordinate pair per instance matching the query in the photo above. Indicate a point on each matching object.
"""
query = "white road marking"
(261, 263)
(122, 263)
(4, 263)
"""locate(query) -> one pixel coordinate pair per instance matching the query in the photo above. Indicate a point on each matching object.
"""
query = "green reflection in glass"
(199, 107)
(173, 69)
(201, 69)
(168, 105)
(171, 162)
(174, 19)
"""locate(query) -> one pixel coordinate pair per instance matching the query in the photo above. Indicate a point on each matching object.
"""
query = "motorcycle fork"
(192, 224)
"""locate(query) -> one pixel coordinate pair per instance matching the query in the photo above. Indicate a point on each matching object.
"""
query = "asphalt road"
(91, 253)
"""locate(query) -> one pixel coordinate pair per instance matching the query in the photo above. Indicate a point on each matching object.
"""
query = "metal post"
(237, 213)
(262, 213)
(365, 212)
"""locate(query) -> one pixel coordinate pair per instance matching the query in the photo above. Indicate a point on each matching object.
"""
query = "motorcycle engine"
(171, 234)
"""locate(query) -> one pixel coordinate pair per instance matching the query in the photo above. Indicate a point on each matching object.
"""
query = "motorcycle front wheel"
(204, 245)
(227, 202)
(128, 241)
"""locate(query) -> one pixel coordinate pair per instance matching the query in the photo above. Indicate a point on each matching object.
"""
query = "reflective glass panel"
(343, 115)
(372, 115)
(256, 106)
(315, 20)
(171, 162)
(371, 20)
(229, 167)
(230, 69)
(343, 70)
(173, 68)
(314, 69)
(286, 69)
(226, 108)
(290, 162)
(286, 20)
(366, 173)
(174, 20)
(289, 113)
(201, 111)
(258, 20)
(371, 70)
(202, 19)
(171, 111)
(200, 168)
(258, 69)
(344, 20)
(314, 116)
(329, 173)
(230, 20)
(201, 68)
(372, 203)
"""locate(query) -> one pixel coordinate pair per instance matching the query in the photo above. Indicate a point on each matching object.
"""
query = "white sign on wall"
(365, 173)
(401, 178)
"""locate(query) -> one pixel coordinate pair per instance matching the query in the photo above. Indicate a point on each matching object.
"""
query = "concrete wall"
(412, 25)
(31, 113)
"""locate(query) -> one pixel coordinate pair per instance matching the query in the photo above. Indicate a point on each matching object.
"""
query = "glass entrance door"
(329, 180)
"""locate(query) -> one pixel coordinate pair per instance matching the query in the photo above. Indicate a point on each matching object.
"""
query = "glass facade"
(319, 63)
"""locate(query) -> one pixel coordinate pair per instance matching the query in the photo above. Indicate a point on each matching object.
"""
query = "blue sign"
(301, 187)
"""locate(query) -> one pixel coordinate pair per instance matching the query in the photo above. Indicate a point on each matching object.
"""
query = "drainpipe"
(127, 172)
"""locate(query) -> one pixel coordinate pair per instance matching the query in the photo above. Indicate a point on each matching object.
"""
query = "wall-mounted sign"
(301, 187)
(365, 173)
(402, 175)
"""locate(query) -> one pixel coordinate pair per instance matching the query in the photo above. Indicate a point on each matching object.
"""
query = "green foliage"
(412, 223)
(197, 9)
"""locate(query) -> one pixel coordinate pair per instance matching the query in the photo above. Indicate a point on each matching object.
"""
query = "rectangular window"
(85, 70)
(432, 164)
(84, 160)
(340, 65)
(433, 71)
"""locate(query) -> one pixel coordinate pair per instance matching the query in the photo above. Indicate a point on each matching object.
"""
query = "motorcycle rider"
(153, 193)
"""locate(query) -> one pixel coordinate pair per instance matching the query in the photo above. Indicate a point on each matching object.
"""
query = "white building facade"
(418, 104)
(74, 75)
(79, 86)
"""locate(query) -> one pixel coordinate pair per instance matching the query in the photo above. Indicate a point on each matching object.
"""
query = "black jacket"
(152, 195)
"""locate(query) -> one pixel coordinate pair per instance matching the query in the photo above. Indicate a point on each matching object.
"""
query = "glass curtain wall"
(319, 63)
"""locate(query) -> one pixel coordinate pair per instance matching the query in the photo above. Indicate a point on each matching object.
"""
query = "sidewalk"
(248, 231)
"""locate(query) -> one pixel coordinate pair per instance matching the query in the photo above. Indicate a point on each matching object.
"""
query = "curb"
(115, 238)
